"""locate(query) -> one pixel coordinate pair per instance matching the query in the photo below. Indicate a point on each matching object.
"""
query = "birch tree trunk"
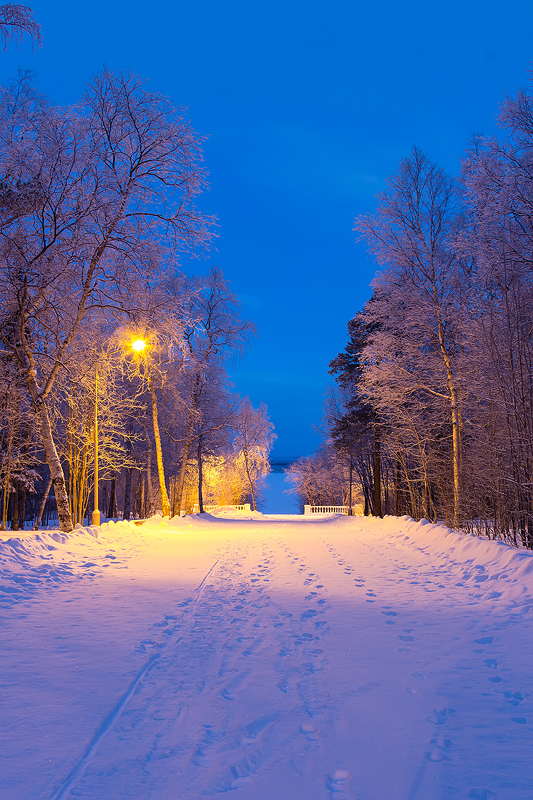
(250, 481)
(56, 470)
(200, 477)
(149, 499)
(43, 504)
(159, 454)
(187, 444)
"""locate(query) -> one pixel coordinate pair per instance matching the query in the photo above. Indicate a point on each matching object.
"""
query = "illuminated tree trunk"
(148, 500)
(43, 504)
(250, 481)
(159, 454)
(350, 498)
(8, 477)
(56, 470)
(377, 471)
(15, 507)
(188, 442)
(200, 477)
(127, 495)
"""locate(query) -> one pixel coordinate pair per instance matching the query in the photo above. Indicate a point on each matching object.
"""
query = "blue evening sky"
(308, 106)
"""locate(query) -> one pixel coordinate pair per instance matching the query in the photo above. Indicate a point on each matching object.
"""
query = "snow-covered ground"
(283, 658)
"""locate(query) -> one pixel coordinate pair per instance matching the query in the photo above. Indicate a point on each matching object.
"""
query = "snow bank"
(495, 568)
(47, 559)
(44, 559)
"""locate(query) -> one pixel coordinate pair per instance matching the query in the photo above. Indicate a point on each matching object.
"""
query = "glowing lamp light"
(138, 345)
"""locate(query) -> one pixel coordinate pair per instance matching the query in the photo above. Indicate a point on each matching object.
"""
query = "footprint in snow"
(440, 717)
(337, 782)
(311, 732)
(481, 794)
(491, 663)
(439, 749)
(515, 698)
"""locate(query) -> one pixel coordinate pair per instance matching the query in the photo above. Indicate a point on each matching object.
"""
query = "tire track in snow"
(112, 717)
(101, 731)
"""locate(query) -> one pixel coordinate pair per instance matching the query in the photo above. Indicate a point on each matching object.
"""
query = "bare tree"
(419, 293)
(254, 438)
(213, 333)
(318, 479)
(15, 21)
(93, 195)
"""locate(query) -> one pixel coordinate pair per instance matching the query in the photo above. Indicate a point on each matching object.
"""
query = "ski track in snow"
(338, 660)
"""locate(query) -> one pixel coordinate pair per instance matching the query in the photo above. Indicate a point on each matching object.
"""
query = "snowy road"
(277, 658)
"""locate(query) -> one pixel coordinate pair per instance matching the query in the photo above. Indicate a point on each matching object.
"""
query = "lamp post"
(139, 346)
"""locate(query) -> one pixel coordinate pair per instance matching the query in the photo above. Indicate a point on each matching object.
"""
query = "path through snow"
(277, 657)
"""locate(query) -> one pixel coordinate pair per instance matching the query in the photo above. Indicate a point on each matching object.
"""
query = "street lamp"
(138, 345)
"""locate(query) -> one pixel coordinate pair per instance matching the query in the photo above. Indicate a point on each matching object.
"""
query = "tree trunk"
(56, 470)
(200, 478)
(398, 510)
(22, 508)
(456, 440)
(377, 471)
(189, 438)
(7, 482)
(127, 494)
(159, 453)
(43, 503)
(366, 511)
(126, 509)
(254, 506)
(148, 504)
(112, 507)
(350, 511)
(15, 506)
